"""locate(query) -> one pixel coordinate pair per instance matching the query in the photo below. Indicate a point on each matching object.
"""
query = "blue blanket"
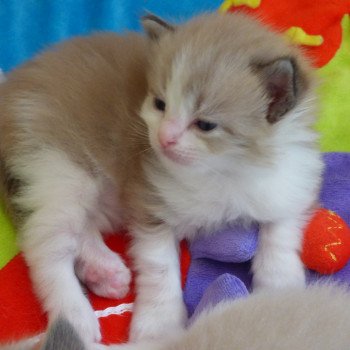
(28, 26)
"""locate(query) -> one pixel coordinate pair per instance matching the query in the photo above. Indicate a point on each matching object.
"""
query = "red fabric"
(326, 246)
(321, 17)
(21, 314)
(20, 311)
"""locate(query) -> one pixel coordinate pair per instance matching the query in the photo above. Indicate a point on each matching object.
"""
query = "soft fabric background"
(27, 26)
(334, 122)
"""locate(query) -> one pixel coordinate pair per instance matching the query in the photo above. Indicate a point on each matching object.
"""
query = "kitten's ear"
(284, 83)
(155, 27)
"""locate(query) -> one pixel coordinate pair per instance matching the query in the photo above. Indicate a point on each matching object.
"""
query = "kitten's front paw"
(286, 273)
(156, 321)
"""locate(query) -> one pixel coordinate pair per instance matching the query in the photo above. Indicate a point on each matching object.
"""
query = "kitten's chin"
(176, 158)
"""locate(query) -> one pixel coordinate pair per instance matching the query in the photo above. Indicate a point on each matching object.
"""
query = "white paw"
(82, 318)
(152, 321)
(278, 273)
(106, 275)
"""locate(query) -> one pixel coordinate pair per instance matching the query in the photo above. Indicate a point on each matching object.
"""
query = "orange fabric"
(21, 314)
(321, 17)
(326, 243)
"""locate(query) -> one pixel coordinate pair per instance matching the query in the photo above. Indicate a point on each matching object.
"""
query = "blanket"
(217, 271)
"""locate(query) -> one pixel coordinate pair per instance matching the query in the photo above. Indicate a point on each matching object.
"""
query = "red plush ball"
(326, 247)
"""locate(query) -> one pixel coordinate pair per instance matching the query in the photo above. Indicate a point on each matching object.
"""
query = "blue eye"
(205, 126)
(159, 104)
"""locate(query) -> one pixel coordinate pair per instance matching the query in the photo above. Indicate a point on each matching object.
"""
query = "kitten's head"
(218, 86)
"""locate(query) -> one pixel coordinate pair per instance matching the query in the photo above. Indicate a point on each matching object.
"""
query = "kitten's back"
(76, 97)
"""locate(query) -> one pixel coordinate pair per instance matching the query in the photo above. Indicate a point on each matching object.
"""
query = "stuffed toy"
(326, 246)
(316, 25)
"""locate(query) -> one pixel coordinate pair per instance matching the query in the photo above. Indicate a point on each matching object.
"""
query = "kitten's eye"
(205, 126)
(159, 104)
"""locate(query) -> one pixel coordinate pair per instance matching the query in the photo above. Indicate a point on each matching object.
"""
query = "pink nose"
(169, 133)
(165, 143)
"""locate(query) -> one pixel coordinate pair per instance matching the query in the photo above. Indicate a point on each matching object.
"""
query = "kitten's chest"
(202, 205)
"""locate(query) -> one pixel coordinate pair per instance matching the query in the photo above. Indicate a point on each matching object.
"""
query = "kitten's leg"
(59, 196)
(277, 263)
(102, 270)
(50, 246)
(159, 307)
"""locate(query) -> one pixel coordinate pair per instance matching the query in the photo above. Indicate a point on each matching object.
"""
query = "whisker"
(144, 150)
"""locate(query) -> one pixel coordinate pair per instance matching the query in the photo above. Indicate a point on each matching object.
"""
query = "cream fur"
(313, 319)
(78, 161)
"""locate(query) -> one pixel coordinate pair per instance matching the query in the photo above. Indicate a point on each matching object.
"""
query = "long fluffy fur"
(313, 319)
(81, 154)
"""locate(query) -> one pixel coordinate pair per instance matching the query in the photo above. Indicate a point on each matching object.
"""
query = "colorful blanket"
(322, 28)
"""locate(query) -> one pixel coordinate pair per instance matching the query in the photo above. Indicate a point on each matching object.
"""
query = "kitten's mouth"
(175, 157)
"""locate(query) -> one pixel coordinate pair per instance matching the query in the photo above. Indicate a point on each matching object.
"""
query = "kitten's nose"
(169, 133)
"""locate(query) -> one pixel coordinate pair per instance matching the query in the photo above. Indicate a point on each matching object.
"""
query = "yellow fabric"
(334, 121)
(298, 36)
(8, 247)
(228, 3)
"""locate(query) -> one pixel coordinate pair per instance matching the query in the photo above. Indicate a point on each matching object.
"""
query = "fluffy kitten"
(225, 133)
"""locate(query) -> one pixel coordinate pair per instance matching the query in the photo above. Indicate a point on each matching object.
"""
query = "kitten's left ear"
(284, 83)
(155, 27)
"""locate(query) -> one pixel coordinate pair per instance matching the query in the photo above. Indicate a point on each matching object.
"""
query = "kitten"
(170, 136)
(316, 318)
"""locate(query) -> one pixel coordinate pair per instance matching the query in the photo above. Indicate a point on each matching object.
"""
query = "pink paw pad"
(105, 275)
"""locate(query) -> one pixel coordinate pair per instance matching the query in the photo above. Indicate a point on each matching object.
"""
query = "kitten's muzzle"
(170, 132)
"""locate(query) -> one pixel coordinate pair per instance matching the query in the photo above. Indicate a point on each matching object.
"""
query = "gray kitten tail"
(62, 336)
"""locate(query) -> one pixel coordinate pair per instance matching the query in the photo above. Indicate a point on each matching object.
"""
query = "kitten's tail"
(61, 336)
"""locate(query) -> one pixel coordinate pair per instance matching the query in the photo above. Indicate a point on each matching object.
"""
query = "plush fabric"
(8, 247)
(326, 247)
(314, 19)
(21, 314)
(31, 25)
(334, 122)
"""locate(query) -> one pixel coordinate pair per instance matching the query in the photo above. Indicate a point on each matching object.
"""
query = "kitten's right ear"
(155, 27)
(284, 83)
